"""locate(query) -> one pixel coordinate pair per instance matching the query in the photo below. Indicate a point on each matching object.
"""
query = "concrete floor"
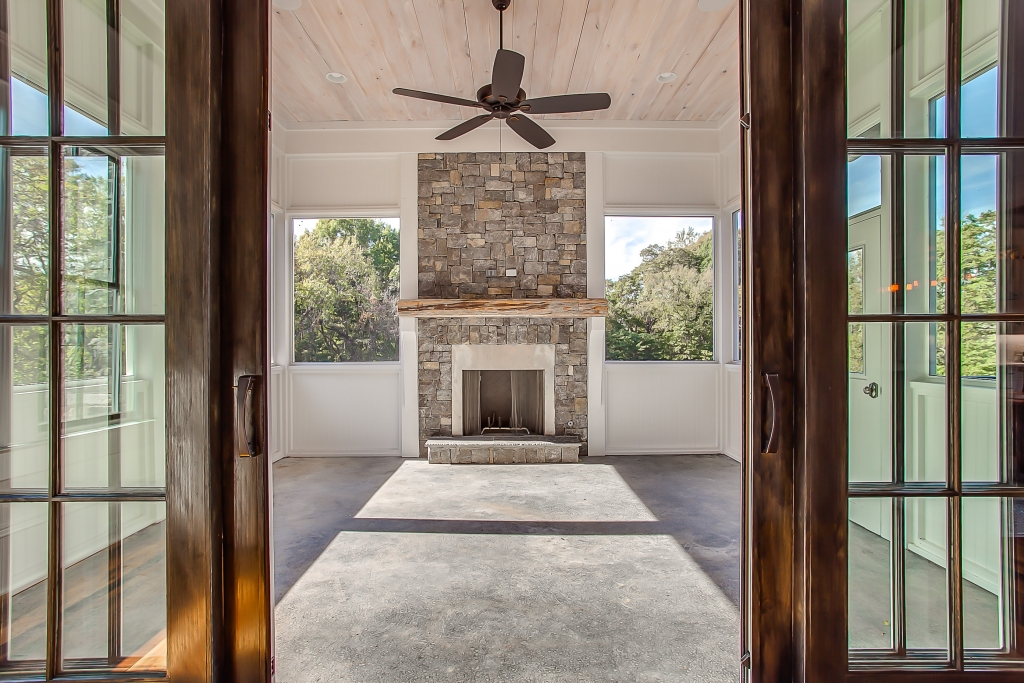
(615, 569)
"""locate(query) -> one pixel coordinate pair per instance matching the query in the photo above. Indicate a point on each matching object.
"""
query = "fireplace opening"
(502, 402)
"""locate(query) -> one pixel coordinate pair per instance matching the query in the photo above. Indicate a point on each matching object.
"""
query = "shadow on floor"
(695, 498)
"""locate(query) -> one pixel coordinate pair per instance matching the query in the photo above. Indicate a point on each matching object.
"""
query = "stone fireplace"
(502, 310)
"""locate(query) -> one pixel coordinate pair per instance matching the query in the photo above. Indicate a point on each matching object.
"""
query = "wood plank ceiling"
(447, 46)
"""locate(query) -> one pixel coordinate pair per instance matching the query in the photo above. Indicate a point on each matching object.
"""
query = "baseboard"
(348, 454)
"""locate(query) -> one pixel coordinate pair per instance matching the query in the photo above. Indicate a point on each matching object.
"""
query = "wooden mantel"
(533, 308)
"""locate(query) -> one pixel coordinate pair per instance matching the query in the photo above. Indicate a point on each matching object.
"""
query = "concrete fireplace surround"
(504, 357)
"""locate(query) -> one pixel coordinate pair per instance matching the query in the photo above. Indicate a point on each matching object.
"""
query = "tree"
(978, 291)
(346, 292)
(664, 308)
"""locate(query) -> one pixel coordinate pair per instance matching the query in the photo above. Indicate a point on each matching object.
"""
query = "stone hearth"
(502, 450)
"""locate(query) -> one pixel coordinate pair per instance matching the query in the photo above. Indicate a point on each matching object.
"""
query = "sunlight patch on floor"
(527, 493)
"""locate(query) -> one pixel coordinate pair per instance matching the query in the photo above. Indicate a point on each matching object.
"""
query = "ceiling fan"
(503, 98)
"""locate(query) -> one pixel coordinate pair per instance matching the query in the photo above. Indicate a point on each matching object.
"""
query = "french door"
(885, 188)
(133, 524)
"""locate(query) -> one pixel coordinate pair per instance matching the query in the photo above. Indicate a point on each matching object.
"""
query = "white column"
(596, 410)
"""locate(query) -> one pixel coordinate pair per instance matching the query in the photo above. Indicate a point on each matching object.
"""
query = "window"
(737, 283)
(661, 288)
(345, 289)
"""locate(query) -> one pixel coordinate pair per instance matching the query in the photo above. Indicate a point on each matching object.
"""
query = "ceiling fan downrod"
(501, 6)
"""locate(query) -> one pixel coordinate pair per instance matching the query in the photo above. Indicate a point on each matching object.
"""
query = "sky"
(30, 117)
(978, 173)
(625, 236)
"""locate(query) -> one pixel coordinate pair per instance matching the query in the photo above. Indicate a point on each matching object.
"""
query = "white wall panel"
(345, 409)
(732, 417)
(662, 408)
(325, 182)
(661, 180)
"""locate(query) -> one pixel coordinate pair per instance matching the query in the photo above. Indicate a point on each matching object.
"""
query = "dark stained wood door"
(883, 525)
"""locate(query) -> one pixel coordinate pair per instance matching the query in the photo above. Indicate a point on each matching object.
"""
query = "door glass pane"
(28, 291)
(114, 580)
(924, 66)
(978, 233)
(114, 234)
(979, 61)
(142, 67)
(870, 402)
(24, 416)
(981, 376)
(868, 232)
(28, 83)
(924, 234)
(85, 67)
(869, 45)
(924, 412)
(113, 404)
(926, 552)
(988, 526)
(23, 554)
(870, 574)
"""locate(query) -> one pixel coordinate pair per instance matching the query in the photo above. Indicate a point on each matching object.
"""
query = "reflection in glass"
(924, 64)
(137, 67)
(24, 407)
(978, 228)
(142, 67)
(868, 48)
(85, 65)
(30, 234)
(987, 524)
(869, 589)
(982, 376)
(23, 554)
(114, 234)
(114, 567)
(924, 234)
(870, 407)
(26, 38)
(925, 559)
(979, 117)
(855, 286)
(925, 408)
(113, 406)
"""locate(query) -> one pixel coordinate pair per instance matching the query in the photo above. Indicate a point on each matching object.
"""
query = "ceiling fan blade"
(465, 127)
(568, 104)
(507, 75)
(434, 97)
(530, 131)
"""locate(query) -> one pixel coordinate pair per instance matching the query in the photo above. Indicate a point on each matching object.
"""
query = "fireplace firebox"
(502, 402)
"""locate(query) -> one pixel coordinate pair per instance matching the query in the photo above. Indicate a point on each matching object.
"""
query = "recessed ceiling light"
(336, 77)
(288, 4)
(712, 5)
(666, 77)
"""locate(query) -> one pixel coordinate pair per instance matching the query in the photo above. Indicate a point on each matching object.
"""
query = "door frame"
(218, 504)
(794, 151)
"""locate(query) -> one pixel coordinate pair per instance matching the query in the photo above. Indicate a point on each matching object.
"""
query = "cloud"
(626, 236)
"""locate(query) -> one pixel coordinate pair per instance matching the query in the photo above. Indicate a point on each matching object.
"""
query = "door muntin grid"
(82, 491)
(951, 528)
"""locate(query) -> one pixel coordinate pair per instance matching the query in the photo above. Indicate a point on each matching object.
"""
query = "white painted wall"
(369, 169)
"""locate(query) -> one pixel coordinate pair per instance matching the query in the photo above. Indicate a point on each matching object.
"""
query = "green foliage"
(664, 308)
(855, 287)
(978, 291)
(346, 292)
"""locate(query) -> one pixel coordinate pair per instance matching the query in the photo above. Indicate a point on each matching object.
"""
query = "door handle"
(247, 439)
(771, 444)
(872, 390)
